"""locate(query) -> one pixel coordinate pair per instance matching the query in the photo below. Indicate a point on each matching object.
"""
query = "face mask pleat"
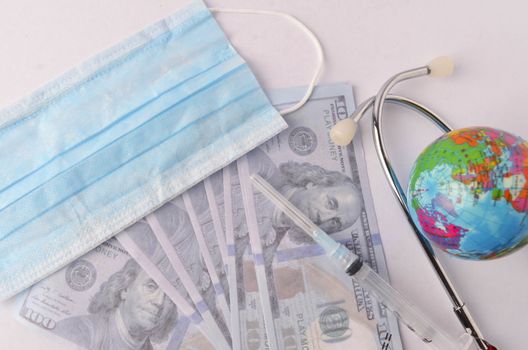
(162, 126)
(142, 115)
(77, 119)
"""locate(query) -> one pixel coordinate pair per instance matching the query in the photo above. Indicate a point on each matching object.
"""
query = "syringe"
(402, 308)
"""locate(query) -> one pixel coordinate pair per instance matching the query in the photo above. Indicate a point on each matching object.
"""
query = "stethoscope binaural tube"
(343, 134)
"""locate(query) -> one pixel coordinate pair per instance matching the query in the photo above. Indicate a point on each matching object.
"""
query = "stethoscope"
(342, 134)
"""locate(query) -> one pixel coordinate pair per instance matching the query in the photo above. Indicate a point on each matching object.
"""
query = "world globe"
(468, 193)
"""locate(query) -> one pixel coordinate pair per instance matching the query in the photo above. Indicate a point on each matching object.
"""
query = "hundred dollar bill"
(198, 208)
(329, 184)
(106, 301)
(144, 246)
(214, 189)
(263, 285)
(174, 230)
(247, 323)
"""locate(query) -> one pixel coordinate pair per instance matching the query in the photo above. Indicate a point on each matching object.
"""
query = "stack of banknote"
(220, 267)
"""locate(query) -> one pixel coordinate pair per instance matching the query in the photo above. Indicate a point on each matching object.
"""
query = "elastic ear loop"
(308, 32)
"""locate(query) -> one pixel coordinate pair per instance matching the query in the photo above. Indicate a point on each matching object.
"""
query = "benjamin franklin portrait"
(128, 312)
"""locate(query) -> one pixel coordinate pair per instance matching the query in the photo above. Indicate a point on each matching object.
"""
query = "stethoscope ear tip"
(343, 132)
(442, 66)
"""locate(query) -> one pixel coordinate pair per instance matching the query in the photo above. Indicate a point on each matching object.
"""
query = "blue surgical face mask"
(109, 142)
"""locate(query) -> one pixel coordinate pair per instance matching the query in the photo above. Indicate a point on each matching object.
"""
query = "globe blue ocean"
(468, 193)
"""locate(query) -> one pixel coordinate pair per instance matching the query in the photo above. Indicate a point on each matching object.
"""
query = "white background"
(365, 42)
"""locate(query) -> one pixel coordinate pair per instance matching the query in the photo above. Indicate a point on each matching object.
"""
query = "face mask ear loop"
(307, 31)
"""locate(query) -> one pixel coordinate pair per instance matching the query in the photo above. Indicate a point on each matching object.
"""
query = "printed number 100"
(38, 319)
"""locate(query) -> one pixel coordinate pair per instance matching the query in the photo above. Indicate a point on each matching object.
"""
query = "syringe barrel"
(409, 314)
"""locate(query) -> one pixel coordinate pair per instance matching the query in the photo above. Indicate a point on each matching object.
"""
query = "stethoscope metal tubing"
(377, 103)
